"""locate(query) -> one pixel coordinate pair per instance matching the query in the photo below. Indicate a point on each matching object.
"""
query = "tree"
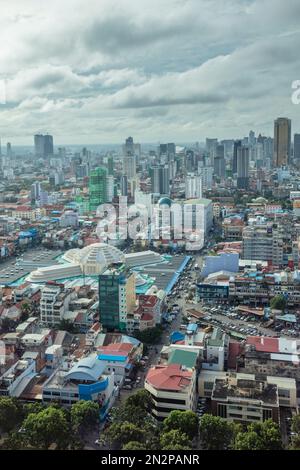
(216, 433)
(278, 302)
(150, 336)
(67, 325)
(10, 413)
(169, 440)
(130, 413)
(295, 444)
(140, 399)
(134, 445)
(33, 408)
(119, 434)
(15, 441)
(84, 415)
(25, 310)
(259, 436)
(47, 427)
(184, 421)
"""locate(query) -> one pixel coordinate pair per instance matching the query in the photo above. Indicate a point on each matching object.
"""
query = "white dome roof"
(94, 258)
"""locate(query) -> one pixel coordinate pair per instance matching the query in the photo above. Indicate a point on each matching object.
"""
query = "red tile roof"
(234, 350)
(171, 377)
(264, 344)
(116, 348)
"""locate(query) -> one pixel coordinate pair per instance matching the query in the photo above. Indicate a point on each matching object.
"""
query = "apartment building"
(263, 242)
(54, 303)
(172, 387)
(258, 288)
(244, 397)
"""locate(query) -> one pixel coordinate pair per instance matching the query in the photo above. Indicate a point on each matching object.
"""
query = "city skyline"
(134, 69)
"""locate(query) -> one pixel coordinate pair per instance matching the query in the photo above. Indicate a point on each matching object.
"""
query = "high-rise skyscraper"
(243, 167)
(110, 165)
(129, 158)
(219, 161)
(282, 142)
(211, 148)
(35, 191)
(236, 145)
(43, 145)
(97, 187)
(193, 186)
(124, 185)
(8, 150)
(297, 147)
(160, 179)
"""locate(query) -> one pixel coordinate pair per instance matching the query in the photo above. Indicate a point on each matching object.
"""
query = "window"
(222, 410)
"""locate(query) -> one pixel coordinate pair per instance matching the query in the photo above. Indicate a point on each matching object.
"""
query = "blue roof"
(192, 327)
(88, 368)
(111, 357)
(176, 336)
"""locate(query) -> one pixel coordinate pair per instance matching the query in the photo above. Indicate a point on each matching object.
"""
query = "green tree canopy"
(184, 421)
(134, 445)
(216, 433)
(120, 434)
(278, 302)
(47, 427)
(140, 399)
(171, 439)
(84, 414)
(259, 436)
(150, 336)
(10, 413)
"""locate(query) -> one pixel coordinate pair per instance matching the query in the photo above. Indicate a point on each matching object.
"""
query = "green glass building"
(116, 297)
(98, 187)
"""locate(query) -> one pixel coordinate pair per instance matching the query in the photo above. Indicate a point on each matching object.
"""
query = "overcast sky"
(97, 71)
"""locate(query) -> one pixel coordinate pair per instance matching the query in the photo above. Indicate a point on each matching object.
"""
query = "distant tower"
(282, 142)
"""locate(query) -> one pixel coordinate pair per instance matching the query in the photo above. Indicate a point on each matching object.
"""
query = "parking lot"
(15, 269)
(228, 319)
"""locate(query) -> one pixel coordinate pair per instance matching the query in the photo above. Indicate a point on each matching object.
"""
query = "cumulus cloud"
(170, 69)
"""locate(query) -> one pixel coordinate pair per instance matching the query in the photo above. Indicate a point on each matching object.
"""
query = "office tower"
(206, 174)
(43, 145)
(219, 162)
(129, 158)
(39, 145)
(252, 138)
(124, 185)
(110, 165)
(109, 188)
(189, 161)
(297, 147)
(243, 167)
(160, 179)
(48, 145)
(282, 142)
(211, 148)
(8, 150)
(35, 191)
(228, 148)
(193, 186)
(172, 169)
(237, 144)
(117, 298)
(97, 187)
